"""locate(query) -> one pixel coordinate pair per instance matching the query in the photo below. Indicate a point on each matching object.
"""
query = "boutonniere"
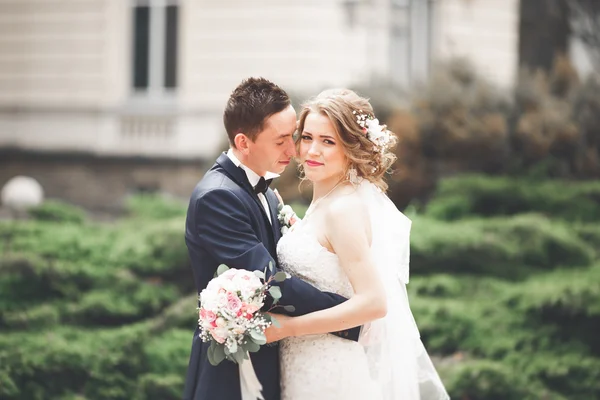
(287, 218)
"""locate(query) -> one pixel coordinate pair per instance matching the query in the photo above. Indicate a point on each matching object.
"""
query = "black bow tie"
(262, 185)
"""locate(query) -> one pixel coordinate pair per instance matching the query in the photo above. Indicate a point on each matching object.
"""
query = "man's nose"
(291, 150)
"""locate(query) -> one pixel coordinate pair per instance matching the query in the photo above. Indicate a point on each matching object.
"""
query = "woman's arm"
(348, 230)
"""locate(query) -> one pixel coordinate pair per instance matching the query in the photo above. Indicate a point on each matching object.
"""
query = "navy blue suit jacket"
(226, 224)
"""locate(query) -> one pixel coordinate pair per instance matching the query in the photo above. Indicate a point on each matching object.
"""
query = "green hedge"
(530, 333)
(481, 195)
(57, 211)
(511, 248)
(509, 305)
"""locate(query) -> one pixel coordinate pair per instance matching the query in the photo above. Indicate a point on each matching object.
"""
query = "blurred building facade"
(126, 79)
(151, 77)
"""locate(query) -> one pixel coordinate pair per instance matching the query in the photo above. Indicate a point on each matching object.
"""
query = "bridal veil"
(398, 362)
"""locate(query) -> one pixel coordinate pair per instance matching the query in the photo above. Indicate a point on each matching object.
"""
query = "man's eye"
(279, 144)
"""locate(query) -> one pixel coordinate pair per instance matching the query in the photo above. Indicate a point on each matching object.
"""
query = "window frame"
(156, 89)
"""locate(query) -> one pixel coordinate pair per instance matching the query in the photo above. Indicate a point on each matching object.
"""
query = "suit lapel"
(273, 205)
(239, 176)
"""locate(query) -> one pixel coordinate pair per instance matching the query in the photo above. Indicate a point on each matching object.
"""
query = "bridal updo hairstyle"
(342, 106)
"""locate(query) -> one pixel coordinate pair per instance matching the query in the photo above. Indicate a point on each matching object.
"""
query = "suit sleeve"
(224, 226)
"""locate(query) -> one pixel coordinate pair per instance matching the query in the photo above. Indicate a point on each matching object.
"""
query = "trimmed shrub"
(509, 248)
(486, 196)
(57, 211)
(155, 207)
(487, 380)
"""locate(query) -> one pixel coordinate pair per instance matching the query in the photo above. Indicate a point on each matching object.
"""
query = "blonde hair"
(338, 105)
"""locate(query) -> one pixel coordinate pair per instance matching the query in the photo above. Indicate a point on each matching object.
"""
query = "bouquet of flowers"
(230, 315)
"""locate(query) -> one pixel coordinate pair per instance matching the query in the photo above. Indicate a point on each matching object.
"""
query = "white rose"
(238, 330)
(284, 230)
(372, 123)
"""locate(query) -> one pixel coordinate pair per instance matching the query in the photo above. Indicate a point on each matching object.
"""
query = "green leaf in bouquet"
(289, 308)
(279, 207)
(250, 346)
(258, 337)
(280, 276)
(260, 274)
(239, 356)
(222, 268)
(275, 292)
(216, 353)
(275, 322)
(271, 267)
(234, 348)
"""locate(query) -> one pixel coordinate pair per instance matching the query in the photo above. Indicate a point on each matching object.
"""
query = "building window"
(155, 47)
(410, 41)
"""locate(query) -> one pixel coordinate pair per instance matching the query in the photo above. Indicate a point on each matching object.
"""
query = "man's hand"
(275, 334)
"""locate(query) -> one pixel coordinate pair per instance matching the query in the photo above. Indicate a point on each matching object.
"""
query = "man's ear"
(242, 143)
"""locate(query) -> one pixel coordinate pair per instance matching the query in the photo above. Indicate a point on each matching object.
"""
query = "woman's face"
(320, 150)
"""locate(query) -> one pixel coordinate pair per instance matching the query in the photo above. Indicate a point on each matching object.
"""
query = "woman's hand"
(275, 334)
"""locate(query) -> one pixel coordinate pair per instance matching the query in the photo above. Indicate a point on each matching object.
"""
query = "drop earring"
(353, 176)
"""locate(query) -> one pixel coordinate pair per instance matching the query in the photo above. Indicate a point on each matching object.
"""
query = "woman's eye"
(306, 137)
(327, 141)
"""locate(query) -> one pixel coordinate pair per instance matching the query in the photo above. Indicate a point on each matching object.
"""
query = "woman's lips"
(311, 163)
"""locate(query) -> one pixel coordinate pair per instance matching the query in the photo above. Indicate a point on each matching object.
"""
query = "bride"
(353, 241)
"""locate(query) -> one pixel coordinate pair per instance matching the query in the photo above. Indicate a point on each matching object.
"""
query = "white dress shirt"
(253, 178)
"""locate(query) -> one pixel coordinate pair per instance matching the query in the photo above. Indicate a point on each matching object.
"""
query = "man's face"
(274, 146)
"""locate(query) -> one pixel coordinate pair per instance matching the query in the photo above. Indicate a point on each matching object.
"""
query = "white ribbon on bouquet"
(250, 385)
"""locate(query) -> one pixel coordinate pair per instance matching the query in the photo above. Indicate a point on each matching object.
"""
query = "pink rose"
(293, 220)
(233, 303)
(207, 316)
(229, 274)
(251, 309)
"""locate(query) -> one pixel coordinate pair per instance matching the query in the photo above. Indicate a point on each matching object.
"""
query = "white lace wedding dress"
(319, 366)
(389, 362)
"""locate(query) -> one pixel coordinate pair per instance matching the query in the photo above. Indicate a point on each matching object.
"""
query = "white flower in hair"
(374, 132)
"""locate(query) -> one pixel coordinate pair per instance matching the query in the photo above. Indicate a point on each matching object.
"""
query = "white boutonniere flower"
(287, 218)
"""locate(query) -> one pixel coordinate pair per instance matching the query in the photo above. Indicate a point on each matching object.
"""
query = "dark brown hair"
(249, 106)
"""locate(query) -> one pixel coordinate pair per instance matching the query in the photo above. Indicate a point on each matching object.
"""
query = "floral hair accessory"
(375, 133)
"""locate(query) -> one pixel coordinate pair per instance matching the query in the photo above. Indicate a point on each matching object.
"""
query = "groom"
(232, 220)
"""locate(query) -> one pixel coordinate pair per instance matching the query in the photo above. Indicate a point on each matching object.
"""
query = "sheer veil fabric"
(398, 362)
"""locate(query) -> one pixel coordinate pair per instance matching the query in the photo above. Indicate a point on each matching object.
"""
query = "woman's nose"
(313, 149)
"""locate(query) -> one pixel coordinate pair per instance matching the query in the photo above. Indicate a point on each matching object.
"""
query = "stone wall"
(102, 184)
